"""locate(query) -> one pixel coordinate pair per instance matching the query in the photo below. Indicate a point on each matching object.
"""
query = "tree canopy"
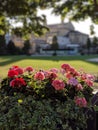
(78, 9)
(25, 12)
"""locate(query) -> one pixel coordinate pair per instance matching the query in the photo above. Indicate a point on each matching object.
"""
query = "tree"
(2, 45)
(12, 49)
(95, 41)
(78, 9)
(54, 45)
(26, 47)
(88, 45)
(25, 12)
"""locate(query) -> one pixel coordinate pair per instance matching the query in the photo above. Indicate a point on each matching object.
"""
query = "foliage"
(26, 47)
(78, 10)
(92, 32)
(95, 41)
(2, 45)
(12, 49)
(53, 99)
(88, 45)
(45, 62)
(54, 45)
(25, 13)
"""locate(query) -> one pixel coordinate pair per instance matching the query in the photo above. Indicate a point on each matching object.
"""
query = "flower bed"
(54, 99)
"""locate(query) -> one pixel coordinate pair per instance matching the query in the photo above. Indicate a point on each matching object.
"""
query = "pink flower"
(12, 73)
(29, 69)
(66, 67)
(54, 70)
(39, 76)
(58, 84)
(79, 87)
(47, 74)
(53, 76)
(18, 82)
(62, 71)
(90, 77)
(69, 75)
(80, 101)
(83, 76)
(89, 83)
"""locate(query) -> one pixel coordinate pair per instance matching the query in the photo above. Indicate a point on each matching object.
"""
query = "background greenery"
(27, 13)
(46, 62)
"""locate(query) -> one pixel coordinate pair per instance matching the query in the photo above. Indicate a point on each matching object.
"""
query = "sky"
(82, 26)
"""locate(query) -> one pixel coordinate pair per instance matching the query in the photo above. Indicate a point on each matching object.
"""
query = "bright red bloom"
(14, 67)
(58, 84)
(12, 73)
(29, 69)
(39, 76)
(18, 82)
(81, 101)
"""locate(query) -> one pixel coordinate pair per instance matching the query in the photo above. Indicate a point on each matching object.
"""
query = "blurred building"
(65, 32)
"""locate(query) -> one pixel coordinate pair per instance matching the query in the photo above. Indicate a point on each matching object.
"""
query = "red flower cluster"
(15, 71)
(67, 79)
(12, 73)
(18, 82)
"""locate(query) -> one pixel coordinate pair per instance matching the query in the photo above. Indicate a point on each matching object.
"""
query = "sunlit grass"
(47, 62)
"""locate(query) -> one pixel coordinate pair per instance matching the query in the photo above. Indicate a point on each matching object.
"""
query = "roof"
(75, 32)
(68, 25)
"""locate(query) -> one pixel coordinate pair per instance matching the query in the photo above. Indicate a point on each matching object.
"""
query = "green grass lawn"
(46, 62)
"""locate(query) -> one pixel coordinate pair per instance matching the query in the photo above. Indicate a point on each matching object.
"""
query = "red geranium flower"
(14, 67)
(12, 73)
(18, 82)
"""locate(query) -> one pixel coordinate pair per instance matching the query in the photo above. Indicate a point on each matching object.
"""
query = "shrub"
(2, 45)
(12, 49)
(45, 99)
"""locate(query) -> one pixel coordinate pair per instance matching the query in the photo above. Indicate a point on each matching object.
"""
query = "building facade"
(77, 37)
(66, 30)
(65, 33)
